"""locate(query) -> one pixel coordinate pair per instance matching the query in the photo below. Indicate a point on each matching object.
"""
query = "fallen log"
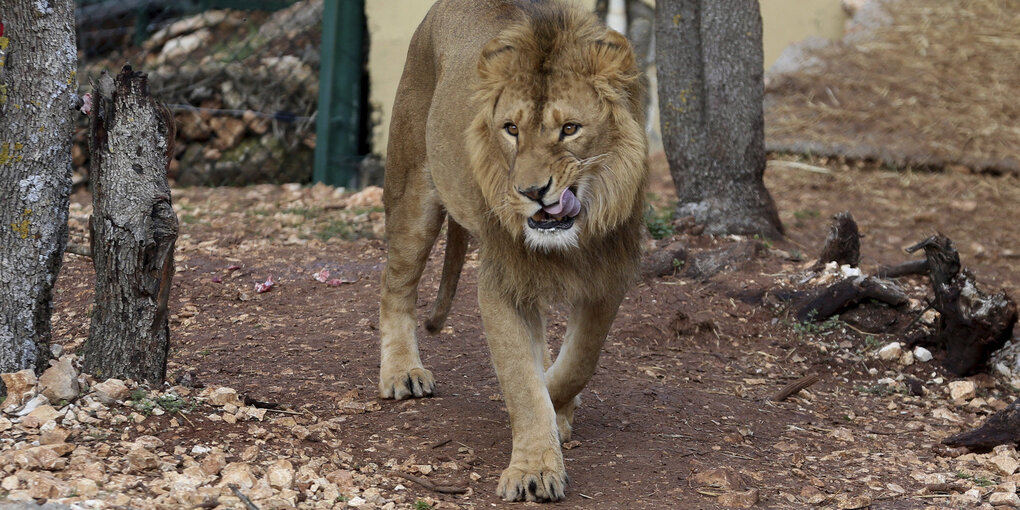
(847, 293)
(1002, 427)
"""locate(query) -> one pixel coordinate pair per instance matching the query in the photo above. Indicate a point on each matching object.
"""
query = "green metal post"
(336, 128)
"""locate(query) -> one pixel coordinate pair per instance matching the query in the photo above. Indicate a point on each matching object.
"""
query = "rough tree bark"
(710, 71)
(133, 230)
(37, 93)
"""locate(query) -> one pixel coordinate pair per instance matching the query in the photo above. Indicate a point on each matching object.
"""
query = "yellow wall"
(789, 21)
(391, 23)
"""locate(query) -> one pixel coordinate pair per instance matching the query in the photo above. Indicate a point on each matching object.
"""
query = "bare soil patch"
(913, 84)
(683, 387)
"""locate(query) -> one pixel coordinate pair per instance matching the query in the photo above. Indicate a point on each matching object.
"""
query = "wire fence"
(241, 77)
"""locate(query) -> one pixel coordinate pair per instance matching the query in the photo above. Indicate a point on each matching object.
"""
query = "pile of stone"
(69, 439)
(243, 88)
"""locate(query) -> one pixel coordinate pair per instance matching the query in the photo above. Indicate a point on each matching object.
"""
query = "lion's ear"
(494, 61)
(612, 59)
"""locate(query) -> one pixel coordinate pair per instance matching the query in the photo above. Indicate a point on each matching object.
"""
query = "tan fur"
(473, 67)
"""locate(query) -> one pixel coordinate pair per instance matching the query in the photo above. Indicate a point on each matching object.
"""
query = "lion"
(522, 122)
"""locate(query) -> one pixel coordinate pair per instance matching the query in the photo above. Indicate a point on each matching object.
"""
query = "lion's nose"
(536, 192)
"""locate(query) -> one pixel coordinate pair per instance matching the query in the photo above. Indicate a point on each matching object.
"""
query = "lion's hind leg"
(586, 331)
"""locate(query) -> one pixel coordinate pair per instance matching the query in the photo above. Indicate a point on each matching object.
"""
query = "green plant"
(341, 229)
(173, 403)
(138, 394)
(422, 505)
(659, 223)
(810, 327)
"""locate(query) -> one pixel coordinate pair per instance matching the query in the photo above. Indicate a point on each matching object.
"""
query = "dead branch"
(795, 387)
(442, 489)
(904, 269)
(244, 499)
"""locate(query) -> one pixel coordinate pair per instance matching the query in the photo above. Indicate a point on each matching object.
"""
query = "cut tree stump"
(843, 244)
(133, 230)
(972, 325)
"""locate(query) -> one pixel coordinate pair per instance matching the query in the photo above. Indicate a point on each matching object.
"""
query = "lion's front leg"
(536, 471)
(586, 332)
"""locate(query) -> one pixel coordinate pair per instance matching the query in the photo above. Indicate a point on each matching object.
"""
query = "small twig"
(793, 165)
(441, 444)
(182, 415)
(244, 499)
(585, 496)
(284, 411)
(861, 331)
(794, 387)
(80, 250)
(442, 489)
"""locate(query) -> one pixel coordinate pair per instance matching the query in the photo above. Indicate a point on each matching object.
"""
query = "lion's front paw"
(516, 484)
(401, 384)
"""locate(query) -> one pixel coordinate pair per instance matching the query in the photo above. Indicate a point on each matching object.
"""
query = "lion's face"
(552, 153)
(558, 145)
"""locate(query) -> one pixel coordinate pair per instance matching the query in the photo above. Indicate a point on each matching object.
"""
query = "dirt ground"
(683, 384)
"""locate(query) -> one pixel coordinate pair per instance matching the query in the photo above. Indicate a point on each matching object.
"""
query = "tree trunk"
(710, 69)
(37, 92)
(134, 229)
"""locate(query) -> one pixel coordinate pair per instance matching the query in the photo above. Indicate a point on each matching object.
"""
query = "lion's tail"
(453, 261)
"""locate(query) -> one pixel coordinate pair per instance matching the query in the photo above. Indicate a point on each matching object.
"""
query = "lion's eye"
(569, 129)
(511, 129)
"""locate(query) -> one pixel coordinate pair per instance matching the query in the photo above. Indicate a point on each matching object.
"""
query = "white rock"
(356, 501)
(1004, 499)
(921, 354)
(185, 44)
(223, 395)
(20, 388)
(962, 390)
(111, 390)
(237, 473)
(907, 358)
(891, 351)
(10, 483)
(1004, 464)
(60, 381)
(280, 474)
(1003, 370)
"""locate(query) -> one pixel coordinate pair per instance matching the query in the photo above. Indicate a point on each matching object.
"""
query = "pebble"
(921, 354)
(1004, 464)
(724, 478)
(962, 390)
(1004, 499)
(891, 351)
(745, 499)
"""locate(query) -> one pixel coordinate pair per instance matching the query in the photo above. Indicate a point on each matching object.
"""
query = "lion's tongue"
(568, 205)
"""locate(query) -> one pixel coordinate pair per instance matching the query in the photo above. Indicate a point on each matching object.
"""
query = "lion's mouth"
(545, 221)
(557, 216)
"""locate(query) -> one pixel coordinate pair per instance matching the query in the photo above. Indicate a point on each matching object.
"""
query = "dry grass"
(938, 85)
